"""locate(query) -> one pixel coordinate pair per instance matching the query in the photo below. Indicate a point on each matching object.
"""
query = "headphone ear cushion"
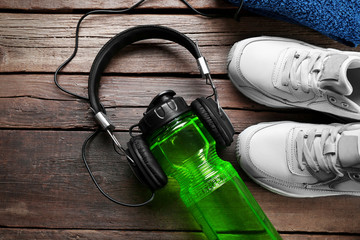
(218, 124)
(144, 164)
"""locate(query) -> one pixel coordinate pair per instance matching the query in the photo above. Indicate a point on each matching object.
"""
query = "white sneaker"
(302, 160)
(285, 73)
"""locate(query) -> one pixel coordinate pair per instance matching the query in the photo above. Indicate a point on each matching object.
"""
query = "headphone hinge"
(203, 67)
(104, 121)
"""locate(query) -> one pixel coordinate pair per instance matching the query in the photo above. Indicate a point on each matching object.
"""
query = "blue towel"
(337, 19)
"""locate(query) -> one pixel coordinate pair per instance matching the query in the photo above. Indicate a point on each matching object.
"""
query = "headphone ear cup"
(218, 124)
(144, 164)
(139, 175)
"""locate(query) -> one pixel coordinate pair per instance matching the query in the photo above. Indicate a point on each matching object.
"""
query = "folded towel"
(337, 19)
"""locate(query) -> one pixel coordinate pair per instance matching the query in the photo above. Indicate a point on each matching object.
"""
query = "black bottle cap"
(163, 109)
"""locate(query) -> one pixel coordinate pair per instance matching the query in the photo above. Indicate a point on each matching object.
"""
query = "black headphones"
(163, 108)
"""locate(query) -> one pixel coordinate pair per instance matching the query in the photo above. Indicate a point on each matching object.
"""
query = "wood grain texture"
(53, 190)
(43, 5)
(41, 42)
(40, 114)
(44, 234)
(22, 234)
(33, 101)
(121, 91)
(45, 190)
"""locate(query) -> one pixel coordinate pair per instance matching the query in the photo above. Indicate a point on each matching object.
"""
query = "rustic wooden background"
(45, 190)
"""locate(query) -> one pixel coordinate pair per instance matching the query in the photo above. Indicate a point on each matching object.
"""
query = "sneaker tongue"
(348, 151)
(333, 75)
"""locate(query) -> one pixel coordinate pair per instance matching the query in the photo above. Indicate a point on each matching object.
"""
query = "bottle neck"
(175, 125)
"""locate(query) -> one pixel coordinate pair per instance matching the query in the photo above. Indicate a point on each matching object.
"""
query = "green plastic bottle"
(210, 187)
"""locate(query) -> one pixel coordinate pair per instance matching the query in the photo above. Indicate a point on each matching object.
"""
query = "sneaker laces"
(302, 70)
(320, 154)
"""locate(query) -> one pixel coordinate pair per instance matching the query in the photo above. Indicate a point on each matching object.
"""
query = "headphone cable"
(236, 15)
(67, 61)
(77, 45)
(94, 134)
(83, 152)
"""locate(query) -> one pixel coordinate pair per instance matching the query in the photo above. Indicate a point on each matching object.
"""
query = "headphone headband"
(128, 37)
(163, 109)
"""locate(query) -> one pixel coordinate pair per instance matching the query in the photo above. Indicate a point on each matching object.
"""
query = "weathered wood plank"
(121, 91)
(318, 237)
(45, 234)
(100, 4)
(33, 101)
(41, 42)
(38, 113)
(43, 182)
(46, 184)
(22, 234)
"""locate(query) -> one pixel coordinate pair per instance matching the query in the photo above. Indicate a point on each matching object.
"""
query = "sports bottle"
(209, 187)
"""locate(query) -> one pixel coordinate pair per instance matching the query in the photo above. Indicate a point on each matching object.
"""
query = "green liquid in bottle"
(210, 187)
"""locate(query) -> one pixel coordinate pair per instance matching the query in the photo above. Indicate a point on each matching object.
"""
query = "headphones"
(164, 107)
